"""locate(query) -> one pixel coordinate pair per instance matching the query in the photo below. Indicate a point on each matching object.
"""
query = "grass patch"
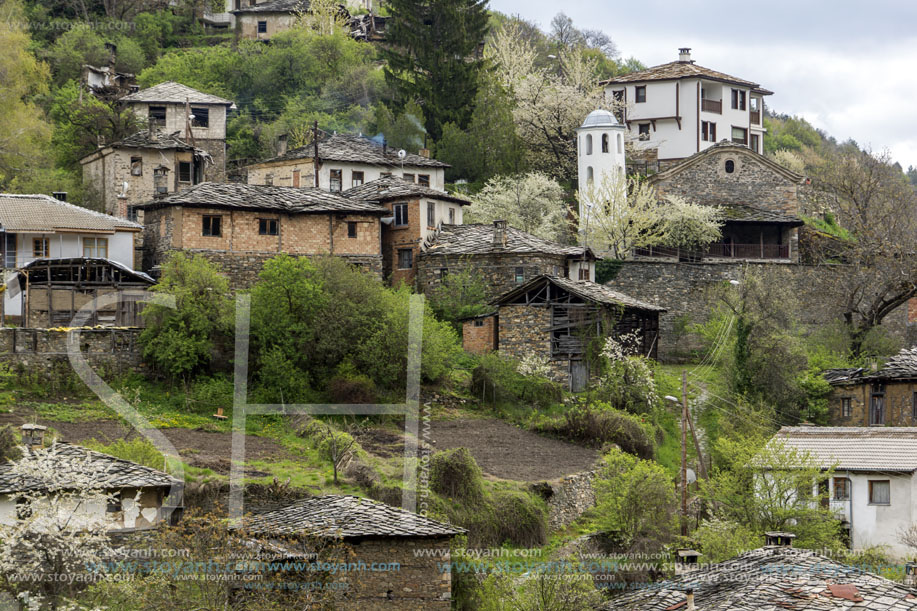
(87, 411)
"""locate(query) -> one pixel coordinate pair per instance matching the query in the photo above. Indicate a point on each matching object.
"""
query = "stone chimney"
(774, 538)
(424, 152)
(686, 561)
(281, 145)
(689, 599)
(33, 436)
(499, 240)
(684, 55)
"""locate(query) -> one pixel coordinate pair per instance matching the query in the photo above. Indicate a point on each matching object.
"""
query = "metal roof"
(393, 187)
(302, 200)
(588, 291)
(43, 214)
(772, 579)
(171, 92)
(853, 448)
(478, 239)
(600, 118)
(356, 149)
(348, 517)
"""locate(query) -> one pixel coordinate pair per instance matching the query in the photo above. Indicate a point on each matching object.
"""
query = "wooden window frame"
(478, 323)
(643, 135)
(356, 178)
(262, 27)
(41, 248)
(406, 253)
(519, 275)
(708, 131)
(95, 246)
(201, 116)
(423, 180)
(207, 225)
(431, 215)
(409, 177)
(744, 131)
(268, 227)
(640, 94)
(400, 211)
(451, 215)
(335, 180)
(872, 482)
(181, 171)
(351, 229)
(156, 115)
(846, 407)
(846, 487)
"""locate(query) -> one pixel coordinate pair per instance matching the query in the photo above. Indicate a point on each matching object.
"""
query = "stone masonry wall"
(44, 351)
(523, 331)
(686, 290)
(899, 404)
(568, 498)
(498, 270)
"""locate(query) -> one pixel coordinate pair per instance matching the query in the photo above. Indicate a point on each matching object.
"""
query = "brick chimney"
(774, 538)
(33, 436)
(424, 152)
(499, 240)
(684, 55)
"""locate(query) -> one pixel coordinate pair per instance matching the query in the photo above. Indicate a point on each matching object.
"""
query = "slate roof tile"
(356, 149)
(171, 92)
(390, 188)
(478, 239)
(590, 291)
(681, 70)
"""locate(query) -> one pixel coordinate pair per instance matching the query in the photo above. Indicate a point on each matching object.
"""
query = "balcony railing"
(712, 106)
(719, 251)
(755, 117)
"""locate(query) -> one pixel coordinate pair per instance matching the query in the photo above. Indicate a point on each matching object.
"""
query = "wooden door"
(579, 375)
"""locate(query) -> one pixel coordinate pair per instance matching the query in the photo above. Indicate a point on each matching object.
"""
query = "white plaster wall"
(7, 510)
(373, 172)
(611, 163)
(878, 524)
(441, 215)
(575, 267)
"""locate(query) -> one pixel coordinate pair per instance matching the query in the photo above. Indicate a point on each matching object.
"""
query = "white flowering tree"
(532, 202)
(59, 532)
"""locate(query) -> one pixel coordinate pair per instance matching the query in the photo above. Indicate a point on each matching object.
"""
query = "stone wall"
(498, 270)
(568, 498)
(687, 292)
(44, 351)
(899, 404)
(523, 331)
(242, 269)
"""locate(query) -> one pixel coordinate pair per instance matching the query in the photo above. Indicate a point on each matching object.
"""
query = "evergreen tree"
(434, 58)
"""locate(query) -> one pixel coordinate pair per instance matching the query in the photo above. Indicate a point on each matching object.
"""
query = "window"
(114, 503)
(136, 166)
(157, 115)
(588, 144)
(423, 180)
(730, 166)
(40, 248)
(385, 175)
(590, 175)
(738, 99)
(356, 178)
(409, 177)
(269, 180)
(755, 139)
(846, 404)
(210, 226)
(584, 272)
(401, 214)
(640, 93)
(914, 406)
(479, 323)
(604, 143)
(335, 180)
(95, 247)
(296, 177)
(620, 144)
(443, 272)
(880, 492)
(266, 226)
(431, 214)
(618, 104)
(201, 117)
(643, 131)
(184, 171)
(708, 131)
(520, 275)
(452, 216)
(841, 489)
(351, 229)
(262, 27)
(405, 258)
(740, 135)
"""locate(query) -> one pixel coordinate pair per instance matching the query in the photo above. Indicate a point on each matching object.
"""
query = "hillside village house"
(504, 257)
(678, 109)
(406, 548)
(416, 213)
(41, 227)
(757, 199)
(141, 167)
(552, 317)
(886, 396)
(239, 227)
(776, 576)
(874, 487)
(199, 119)
(345, 161)
(138, 495)
(262, 20)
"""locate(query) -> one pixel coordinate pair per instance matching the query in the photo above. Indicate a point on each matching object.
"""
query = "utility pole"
(684, 456)
(315, 162)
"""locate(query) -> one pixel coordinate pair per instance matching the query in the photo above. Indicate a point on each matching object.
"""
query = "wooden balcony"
(719, 251)
(755, 116)
(712, 106)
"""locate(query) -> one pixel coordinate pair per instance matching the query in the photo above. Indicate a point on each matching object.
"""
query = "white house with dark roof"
(41, 227)
(874, 488)
(346, 161)
(681, 108)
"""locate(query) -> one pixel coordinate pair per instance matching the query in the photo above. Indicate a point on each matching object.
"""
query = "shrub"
(139, 450)
(460, 295)
(210, 393)
(9, 444)
(352, 388)
(721, 540)
(520, 519)
(455, 474)
(598, 424)
(497, 380)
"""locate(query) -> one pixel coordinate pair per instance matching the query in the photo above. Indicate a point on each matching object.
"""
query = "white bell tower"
(600, 152)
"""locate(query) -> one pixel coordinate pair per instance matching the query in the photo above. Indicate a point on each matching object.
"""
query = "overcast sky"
(847, 67)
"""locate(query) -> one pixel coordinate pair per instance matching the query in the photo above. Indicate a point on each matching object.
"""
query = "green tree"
(432, 57)
(460, 295)
(180, 341)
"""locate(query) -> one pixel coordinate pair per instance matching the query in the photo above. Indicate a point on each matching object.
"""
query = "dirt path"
(508, 452)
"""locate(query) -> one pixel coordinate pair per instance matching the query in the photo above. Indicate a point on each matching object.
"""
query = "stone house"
(198, 117)
(677, 109)
(262, 20)
(504, 257)
(36, 227)
(54, 290)
(139, 495)
(239, 227)
(397, 556)
(776, 576)
(143, 166)
(345, 161)
(873, 487)
(416, 212)
(756, 196)
(553, 317)
(865, 397)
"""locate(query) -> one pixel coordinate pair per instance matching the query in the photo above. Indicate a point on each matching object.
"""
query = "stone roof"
(731, 147)
(772, 579)
(356, 149)
(276, 6)
(348, 517)
(146, 140)
(747, 213)
(854, 448)
(584, 289)
(902, 366)
(682, 70)
(44, 214)
(478, 239)
(303, 200)
(390, 188)
(111, 472)
(171, 92)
